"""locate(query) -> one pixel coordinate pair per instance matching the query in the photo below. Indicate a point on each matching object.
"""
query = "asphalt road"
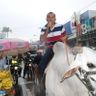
(29, 88)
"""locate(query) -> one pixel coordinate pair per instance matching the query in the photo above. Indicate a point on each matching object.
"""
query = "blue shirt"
(3, 63)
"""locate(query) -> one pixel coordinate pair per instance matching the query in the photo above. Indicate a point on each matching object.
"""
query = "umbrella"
(22, 46)
(13, 46)
(4, 45)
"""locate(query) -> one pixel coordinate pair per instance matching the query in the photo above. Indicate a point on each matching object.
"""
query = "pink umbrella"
(26, 44)
(13, 46)
(16, 43)
(4, 45)
(22, 45)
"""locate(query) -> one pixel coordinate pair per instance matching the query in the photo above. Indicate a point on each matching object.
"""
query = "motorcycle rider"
(20, 59)
(14, 62)
(26, 67)
(37, 58)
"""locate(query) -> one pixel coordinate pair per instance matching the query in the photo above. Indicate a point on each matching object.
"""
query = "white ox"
(59, 65)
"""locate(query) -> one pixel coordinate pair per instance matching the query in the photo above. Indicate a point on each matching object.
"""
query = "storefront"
(88, 28)
(88, 39)
(85, 32)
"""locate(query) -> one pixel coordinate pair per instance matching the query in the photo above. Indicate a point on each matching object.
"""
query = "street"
(25, 89)
(29, 88)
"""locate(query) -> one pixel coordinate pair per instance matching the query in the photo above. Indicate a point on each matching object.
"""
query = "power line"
(92, 3)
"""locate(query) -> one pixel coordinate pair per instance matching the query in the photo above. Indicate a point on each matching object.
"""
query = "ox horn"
(69, 73)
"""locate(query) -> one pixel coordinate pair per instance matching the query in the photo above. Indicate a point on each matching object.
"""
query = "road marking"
(26, 91)
(24, 83)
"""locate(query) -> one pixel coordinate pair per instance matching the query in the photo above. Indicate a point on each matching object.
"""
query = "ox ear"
(70, 73)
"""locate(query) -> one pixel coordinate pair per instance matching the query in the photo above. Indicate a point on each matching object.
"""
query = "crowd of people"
(17, 60)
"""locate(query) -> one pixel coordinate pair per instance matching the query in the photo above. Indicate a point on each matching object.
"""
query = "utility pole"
(77, 25)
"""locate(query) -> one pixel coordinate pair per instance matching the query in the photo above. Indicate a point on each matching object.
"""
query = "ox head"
(84, 57)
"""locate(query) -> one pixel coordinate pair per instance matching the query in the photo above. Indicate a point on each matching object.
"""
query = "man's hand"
(49, 25)
(64, 39)
(44, 36)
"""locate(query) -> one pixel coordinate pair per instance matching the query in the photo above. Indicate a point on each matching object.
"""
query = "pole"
(7, 34)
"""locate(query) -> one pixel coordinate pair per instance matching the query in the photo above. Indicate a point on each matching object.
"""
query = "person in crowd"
(3, 61)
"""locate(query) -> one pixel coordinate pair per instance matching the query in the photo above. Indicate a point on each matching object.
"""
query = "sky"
(26, 17)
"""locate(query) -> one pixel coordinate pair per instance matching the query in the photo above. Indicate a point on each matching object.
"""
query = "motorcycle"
(30, 71)
(15, 73)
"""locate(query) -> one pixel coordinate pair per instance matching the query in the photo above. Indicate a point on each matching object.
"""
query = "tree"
(6, 30)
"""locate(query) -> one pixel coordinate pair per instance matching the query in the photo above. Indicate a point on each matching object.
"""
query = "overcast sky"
(25, 17)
